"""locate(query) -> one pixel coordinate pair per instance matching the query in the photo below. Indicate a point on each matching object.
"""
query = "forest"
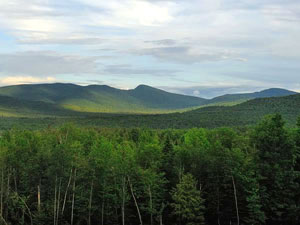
(73, 175)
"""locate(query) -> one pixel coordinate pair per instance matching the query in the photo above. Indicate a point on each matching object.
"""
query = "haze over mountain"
(102, 98)
(272, 92)
(66, 98)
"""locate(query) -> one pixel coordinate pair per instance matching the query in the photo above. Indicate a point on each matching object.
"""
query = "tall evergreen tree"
(188, 204)
(276, 158)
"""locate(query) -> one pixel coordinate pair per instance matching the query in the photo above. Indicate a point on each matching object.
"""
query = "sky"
(204, 48)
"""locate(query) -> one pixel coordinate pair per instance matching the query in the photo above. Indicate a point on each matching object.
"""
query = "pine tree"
(276, 166)
(188, 204)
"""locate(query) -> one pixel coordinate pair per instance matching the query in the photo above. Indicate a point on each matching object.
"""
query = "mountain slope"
(244, 114)
(102, 98)
(272, 92)
(24, 108)
(247, 113)
(156, 98)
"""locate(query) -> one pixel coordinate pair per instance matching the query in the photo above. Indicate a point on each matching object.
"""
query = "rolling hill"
(245, 114)
(102, 98)
(231, 98)
(13, 107)
(73, 100)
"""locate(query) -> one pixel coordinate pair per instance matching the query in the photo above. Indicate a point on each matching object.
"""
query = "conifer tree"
(276, 160)
(188, 204)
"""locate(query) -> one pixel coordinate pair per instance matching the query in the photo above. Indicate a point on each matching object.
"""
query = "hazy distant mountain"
(102, 98)
(272, 92)
(65, 98)
(156, 98)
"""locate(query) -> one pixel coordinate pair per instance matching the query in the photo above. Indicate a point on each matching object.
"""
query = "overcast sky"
(197, 47)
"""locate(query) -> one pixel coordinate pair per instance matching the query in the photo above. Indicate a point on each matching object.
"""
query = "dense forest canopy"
(77, 176)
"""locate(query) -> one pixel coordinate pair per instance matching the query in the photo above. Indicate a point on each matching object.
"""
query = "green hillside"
(13, 107)
(89, 103)
(245, 114)
(102, 98)
(156, 98)
(238, 98)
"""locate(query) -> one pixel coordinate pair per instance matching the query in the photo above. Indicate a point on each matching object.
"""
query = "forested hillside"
(272, 92)
(74, 175)
(14, 107)
(102, 98)
(244, 114)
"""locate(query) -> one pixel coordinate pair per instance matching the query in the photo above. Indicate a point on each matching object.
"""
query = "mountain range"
(70, 99)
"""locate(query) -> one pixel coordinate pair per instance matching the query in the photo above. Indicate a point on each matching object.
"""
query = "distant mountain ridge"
(102, 98)
(272, 92)
(66, 98)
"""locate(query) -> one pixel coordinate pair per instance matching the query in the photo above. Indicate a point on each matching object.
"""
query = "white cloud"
(13, 80)
(130, 13)
(63, 41)
(47, 63)
(205, 34)
(186, 54)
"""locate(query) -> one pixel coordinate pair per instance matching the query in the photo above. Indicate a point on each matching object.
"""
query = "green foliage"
(276, 154)
(188, 204)
(111, 175)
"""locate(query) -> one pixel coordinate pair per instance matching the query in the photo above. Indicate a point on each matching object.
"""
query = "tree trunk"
(160, 220)
(7, 193)
(135, 202)
(58, 201)
(54, 206)
(123, 200)
(161, 210)
(73, 198)
(39, 198)
(218, 207)
(151, 206)
(8, 183)
(90, 202)
(28, 209)
(2, 191)
(15, 181)
(236, 201)
(102, 213)
(66, 193)
(3, 220)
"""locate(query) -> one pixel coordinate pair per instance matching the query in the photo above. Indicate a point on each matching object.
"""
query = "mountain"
(156, 98)
(244, 114)
(46, 99)
(272, 92)
(13, 107)
(102, 98)
(247, 113)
